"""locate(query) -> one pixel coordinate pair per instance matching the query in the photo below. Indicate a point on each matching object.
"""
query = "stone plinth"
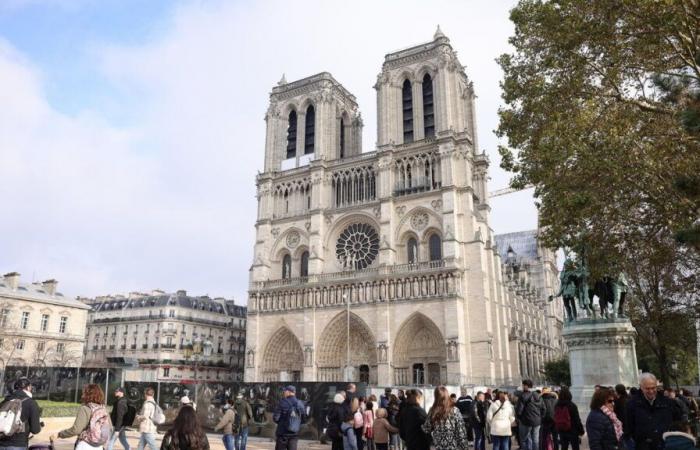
(600, 352)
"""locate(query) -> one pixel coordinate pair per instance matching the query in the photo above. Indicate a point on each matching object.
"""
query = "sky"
(131, 131)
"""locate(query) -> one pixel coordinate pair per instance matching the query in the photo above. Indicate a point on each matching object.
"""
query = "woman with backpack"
(227, 424)
(500, 417)
(567, 421)
(186, 433)
(445, 423)
(92, 423)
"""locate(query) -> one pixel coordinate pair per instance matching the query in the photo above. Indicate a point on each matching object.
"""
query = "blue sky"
(131, 131)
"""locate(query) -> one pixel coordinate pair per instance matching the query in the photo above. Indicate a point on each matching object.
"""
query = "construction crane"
(505, 191)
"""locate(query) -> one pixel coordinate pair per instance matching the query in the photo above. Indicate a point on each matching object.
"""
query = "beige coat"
(144, 419)
(226, 422)
(381, 429)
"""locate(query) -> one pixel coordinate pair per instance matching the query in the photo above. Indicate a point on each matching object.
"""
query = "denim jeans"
(13, 448)
(242, 439)
(529, 437)
(147, 439)
(286, 442)
(479, 438)
(121, 434)
(500, 442)
(228, 441)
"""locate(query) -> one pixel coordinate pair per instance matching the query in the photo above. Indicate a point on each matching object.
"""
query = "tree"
(602, 116)
(557, 372)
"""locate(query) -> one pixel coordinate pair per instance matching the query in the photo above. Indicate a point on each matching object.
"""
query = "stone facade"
(391, 248)
(38, 325)
(153, 330)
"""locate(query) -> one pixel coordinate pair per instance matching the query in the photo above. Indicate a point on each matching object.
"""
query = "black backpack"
(130, 415)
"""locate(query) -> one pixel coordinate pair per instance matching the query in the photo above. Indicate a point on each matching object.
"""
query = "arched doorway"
(419, 356)
(283, 359)
(333, 350)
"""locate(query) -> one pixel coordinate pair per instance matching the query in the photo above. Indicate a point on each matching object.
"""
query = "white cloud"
(169, 201)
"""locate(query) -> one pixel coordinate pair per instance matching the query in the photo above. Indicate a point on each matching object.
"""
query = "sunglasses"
(611, 401)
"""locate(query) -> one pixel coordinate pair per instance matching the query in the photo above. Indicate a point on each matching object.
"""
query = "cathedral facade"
(381, 266)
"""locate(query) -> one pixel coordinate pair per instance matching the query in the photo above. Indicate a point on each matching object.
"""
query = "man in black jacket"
(465, 404)
(289, 410)
(529, 411)
(119, 412)
(411, 418)
(649, 415)
(30, 416)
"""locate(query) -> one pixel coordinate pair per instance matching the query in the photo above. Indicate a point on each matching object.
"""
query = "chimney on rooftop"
(50, 286)
(11, 280)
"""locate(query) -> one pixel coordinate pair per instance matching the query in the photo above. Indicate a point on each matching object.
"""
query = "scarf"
(616, 422)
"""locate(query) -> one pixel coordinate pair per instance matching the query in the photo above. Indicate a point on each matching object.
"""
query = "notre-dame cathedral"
(381, 266)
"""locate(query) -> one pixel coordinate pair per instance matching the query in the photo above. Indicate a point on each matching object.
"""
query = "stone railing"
(389, 284)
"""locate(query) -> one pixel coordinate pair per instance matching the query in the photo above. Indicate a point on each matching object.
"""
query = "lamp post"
(199, 351)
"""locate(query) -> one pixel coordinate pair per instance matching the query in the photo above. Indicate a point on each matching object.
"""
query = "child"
(382, 430)
(679, 438)
(348, 431)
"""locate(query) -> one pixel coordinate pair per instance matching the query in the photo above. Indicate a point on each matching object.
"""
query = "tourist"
(29, 415)
(411, 419)
(548, 434)
(359, 425)
(382, 430)
(567, 421)
(649, 415)
(186, 432)
(679, 402)
(393, 417)
(92, 409)
(384, 398)
(603, 427)
(289, 415)
(375, 404)
(500, 418)
(679, 437)
(244, 414)
(185, 401)
(368, 419)
(465, 404)
(144, 419)
(348, 433)
(227, 424)
(529, 412)
(479, 424)
(120, 410)
(693, 410)
(445, 424)
(335, 417)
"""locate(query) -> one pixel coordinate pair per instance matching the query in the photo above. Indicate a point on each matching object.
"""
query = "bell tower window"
(428, 107)
(292, 135)
(310, 132)
(407, 103)
(342, 139)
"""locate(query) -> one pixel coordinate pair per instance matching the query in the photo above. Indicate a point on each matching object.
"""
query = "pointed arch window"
(304, 270)
(292, 135)
(342, 138)
(428, 107)
(435, 245)
(412, 251)
(407, 103)
(286, 267)
(310, 131)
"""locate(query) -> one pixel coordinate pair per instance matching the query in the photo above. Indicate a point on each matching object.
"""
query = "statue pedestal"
(600, 352)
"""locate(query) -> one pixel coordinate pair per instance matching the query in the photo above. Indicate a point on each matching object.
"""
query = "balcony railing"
(349, 275)
(168, 346)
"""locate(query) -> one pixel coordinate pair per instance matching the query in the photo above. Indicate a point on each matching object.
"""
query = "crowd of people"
(641, 418)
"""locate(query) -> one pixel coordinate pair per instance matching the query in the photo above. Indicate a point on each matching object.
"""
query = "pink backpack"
(99, 430)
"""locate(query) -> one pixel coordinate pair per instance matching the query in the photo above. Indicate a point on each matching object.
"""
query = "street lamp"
(199, 351)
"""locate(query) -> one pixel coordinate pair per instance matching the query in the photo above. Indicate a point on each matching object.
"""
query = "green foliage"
(557, 372)
(59, 409)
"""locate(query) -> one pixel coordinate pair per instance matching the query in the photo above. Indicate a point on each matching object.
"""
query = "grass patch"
(59, 409)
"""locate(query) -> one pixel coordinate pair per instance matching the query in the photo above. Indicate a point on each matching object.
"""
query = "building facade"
(378, 266)
(157, 332)
(38, 325)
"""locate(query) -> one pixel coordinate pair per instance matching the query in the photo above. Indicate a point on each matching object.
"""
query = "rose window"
(357, 246)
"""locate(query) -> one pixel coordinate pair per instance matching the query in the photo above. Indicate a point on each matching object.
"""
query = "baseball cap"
(290, 388)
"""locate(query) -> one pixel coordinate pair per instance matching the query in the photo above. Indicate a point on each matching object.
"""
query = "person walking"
(289, 415)
(500, 418)
(144, 419)
(89, 421)
(382, 430)
(445, 424)
(649, 415)
(121, 416)
(603, 427)
(186, 432)
(244, 415)
(21, 400)
(567, 421)
(227, 424)
(411, 420)
(529, 412)
(479, 424)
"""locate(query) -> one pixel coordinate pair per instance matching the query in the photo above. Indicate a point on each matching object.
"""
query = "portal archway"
(333, 352)
(283, 359)
(419, 355)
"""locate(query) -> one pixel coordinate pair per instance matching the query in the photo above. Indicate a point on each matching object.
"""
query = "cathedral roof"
(284, 87)
(522, 243)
